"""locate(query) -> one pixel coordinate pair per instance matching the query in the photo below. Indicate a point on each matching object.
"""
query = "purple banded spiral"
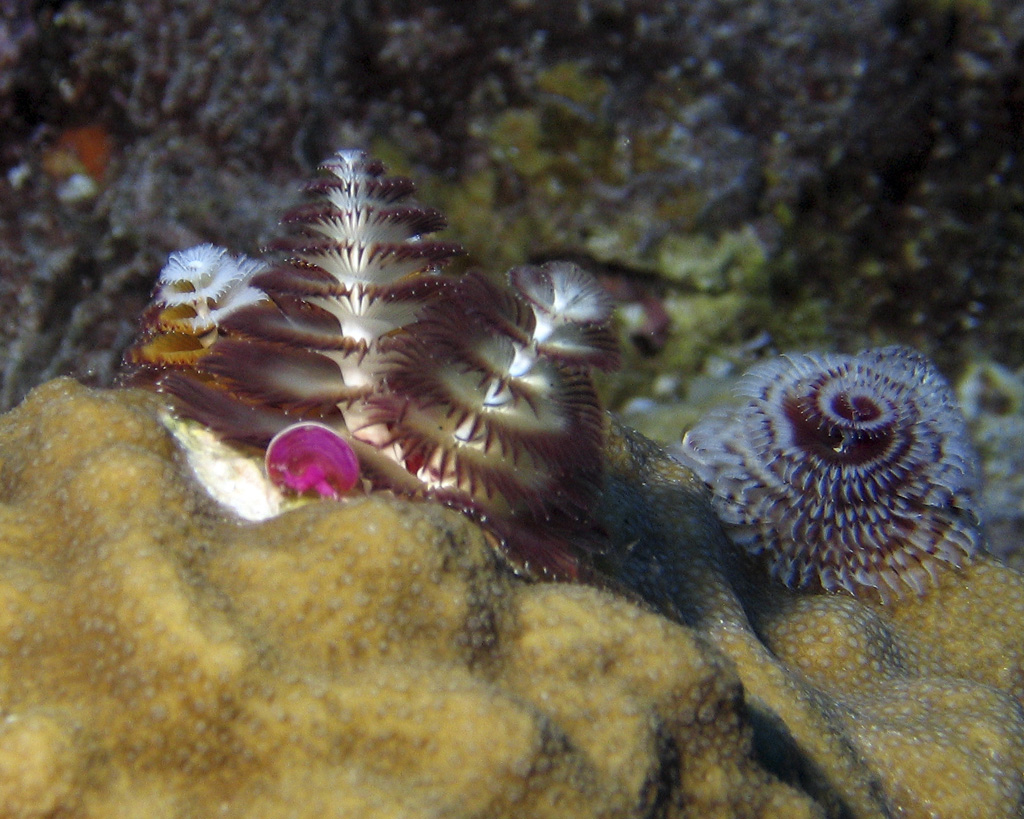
(844, 472)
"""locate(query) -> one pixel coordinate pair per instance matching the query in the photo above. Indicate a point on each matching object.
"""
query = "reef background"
(746, 178)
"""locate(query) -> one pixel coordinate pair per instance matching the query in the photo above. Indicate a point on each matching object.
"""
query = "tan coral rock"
(912, 709)
(370, 658)
(37, 766)
(662, 691)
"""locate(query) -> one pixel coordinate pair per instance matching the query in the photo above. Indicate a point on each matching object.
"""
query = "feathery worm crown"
(196, 290)
(473, 391)
(846, 472)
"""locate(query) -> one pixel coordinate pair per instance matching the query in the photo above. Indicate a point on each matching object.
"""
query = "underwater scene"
(611, 408)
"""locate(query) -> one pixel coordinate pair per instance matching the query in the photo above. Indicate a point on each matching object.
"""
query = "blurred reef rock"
(792, 175)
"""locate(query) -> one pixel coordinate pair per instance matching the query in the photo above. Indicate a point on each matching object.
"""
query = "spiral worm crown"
(474, 391)
(844, 472)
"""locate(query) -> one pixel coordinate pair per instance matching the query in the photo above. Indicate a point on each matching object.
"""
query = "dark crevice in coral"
(660, 792)
(779, 752)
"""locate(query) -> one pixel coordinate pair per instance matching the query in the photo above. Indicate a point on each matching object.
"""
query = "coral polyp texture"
(374, 658)
(473, 391)
(363, 659)
(845, 472)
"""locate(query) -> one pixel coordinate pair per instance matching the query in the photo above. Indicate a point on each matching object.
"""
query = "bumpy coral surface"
(367, 658)
(372, 658)
(910, 710)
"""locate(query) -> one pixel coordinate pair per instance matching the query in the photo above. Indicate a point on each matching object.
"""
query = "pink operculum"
(312, 458)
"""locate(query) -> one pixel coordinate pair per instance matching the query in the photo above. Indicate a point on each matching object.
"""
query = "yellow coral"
(911, 710)
(369, 659)
(373, 658)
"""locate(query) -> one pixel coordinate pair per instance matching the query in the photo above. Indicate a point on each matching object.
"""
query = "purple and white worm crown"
(472, 391)
(844, 472)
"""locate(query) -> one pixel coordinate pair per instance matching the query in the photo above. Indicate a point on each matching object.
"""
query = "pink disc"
(310, 457)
